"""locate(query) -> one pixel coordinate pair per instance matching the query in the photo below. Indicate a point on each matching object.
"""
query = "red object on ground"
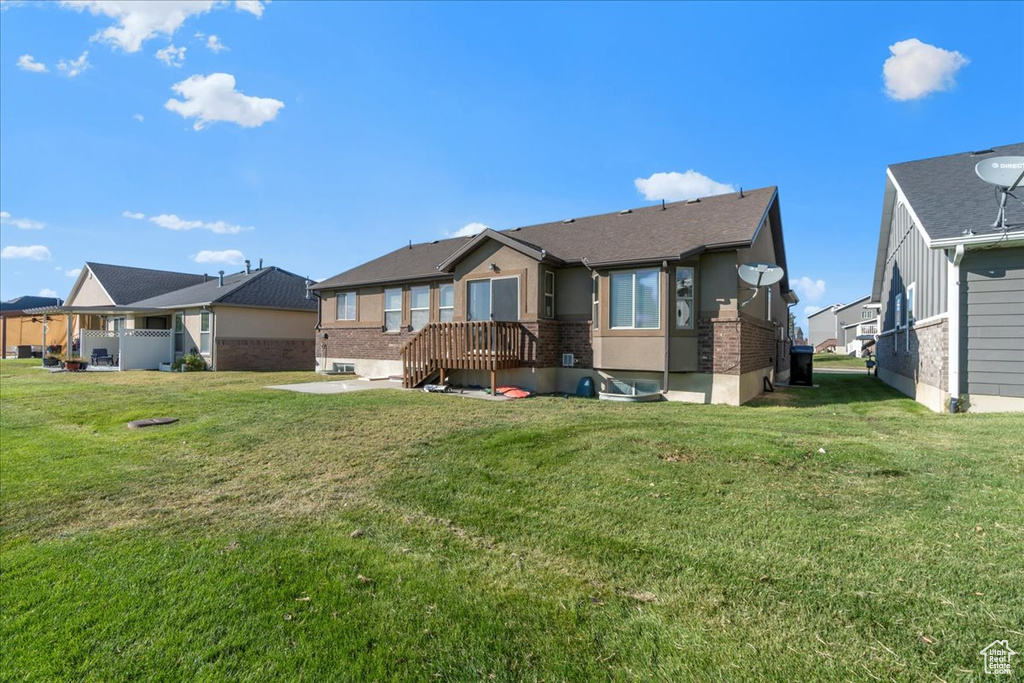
(512, 392)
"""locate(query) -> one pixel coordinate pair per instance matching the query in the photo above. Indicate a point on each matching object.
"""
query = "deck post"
(442, 377)
(494, 382)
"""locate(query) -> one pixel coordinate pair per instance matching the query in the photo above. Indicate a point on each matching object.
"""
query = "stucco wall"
(90, 293)
(264, 323)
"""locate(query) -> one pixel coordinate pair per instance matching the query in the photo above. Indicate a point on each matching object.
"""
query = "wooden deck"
(440, 347)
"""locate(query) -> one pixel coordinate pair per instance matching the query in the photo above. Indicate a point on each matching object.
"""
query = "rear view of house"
(256, 319)
(641, 301)
(950, 285)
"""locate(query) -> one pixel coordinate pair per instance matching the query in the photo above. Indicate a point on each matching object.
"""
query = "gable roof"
(646, 234)
(948, 197)
(270, 287)
(22, 303)
(125, 284)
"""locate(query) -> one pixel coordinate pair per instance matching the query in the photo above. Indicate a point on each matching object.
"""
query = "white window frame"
(413, 310)
(342, 305)
(689, 299)
(178, 327)
(549, 294)
(597, 302)
(393, 310)
(205, 336)
(441, 308)
(909, 313)
(657, 306)
(117, 324)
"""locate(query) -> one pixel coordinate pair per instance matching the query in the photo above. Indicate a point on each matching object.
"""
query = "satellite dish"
(1006, 174)
(759, 275)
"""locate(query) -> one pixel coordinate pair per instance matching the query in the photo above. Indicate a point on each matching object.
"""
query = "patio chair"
(99, 355)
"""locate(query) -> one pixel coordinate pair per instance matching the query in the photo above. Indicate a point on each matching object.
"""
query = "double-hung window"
(684, 298)
(549, 294)
(392, 310)
(179, 333)
(634, 299)
(597, 305)
(204, 332)
(347, 306)
(911, 313)
(446, 294)
(419, 306)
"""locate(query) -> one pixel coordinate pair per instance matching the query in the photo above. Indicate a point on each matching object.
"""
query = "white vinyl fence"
(136, 349)
(90, 340)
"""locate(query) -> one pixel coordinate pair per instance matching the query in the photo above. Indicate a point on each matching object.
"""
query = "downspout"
(668, 321)
(319, 326)
(953, 311)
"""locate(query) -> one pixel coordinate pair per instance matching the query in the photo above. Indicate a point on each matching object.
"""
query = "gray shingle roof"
(125, 284)
(25, 302)
(949, 197)
(270, 287)
(647, 233)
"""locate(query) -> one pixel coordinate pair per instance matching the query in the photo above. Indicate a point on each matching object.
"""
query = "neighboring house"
(641, 300)
(21, 329)
(847, 329)
(252, 320)
(951, 286)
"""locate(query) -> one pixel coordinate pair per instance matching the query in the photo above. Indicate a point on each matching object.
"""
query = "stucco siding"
(91, 293)
(992, 323)
(263, 323)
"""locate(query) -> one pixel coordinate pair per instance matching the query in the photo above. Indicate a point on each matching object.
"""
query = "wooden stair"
(478, 345)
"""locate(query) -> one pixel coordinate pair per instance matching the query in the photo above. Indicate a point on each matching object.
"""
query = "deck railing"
(480, 345)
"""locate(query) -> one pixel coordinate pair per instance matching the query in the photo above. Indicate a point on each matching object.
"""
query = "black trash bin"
(801, 368)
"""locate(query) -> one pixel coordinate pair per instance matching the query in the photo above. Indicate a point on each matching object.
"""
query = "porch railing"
(479, 345)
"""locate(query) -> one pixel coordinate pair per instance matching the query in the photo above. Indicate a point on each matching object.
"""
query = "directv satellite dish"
(1006, 174)
(759, 275)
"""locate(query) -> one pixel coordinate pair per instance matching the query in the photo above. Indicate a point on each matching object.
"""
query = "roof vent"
(693, 201)
(435, 241)
(569, 220)
(982, 151)
(248, 269)
(515, 229)
(220, 278)
(625, 211)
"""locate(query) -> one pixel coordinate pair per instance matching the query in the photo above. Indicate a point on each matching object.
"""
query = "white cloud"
(172, 222)
(676, 187)
(139, 117)
(73, 67)
(228, 256)
(36, 252)
(172, 56)
(137, 22)
(72, 272)
(916, 69)
(133, 214)
(468, 230)
(811, 310)
(213, 98)
(49, 293)
(254, 7)
(213, 43)
(29, 63)
(20, 223)
(809, 290)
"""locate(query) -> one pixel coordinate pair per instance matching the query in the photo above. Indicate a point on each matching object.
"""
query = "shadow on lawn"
(831, 389)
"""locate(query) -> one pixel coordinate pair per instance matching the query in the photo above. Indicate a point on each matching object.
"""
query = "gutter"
(1006, 238)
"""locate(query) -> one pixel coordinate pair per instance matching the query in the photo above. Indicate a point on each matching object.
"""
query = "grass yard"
(833, 534)
(835, 360)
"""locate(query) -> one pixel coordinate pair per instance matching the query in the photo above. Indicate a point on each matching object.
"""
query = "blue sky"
(319, 135)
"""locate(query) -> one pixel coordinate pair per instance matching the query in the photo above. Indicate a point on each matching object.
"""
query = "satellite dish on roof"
(759, 275)
(1006, 174)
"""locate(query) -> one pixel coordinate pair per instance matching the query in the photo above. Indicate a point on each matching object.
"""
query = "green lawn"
(834, 360)
(838, 533)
